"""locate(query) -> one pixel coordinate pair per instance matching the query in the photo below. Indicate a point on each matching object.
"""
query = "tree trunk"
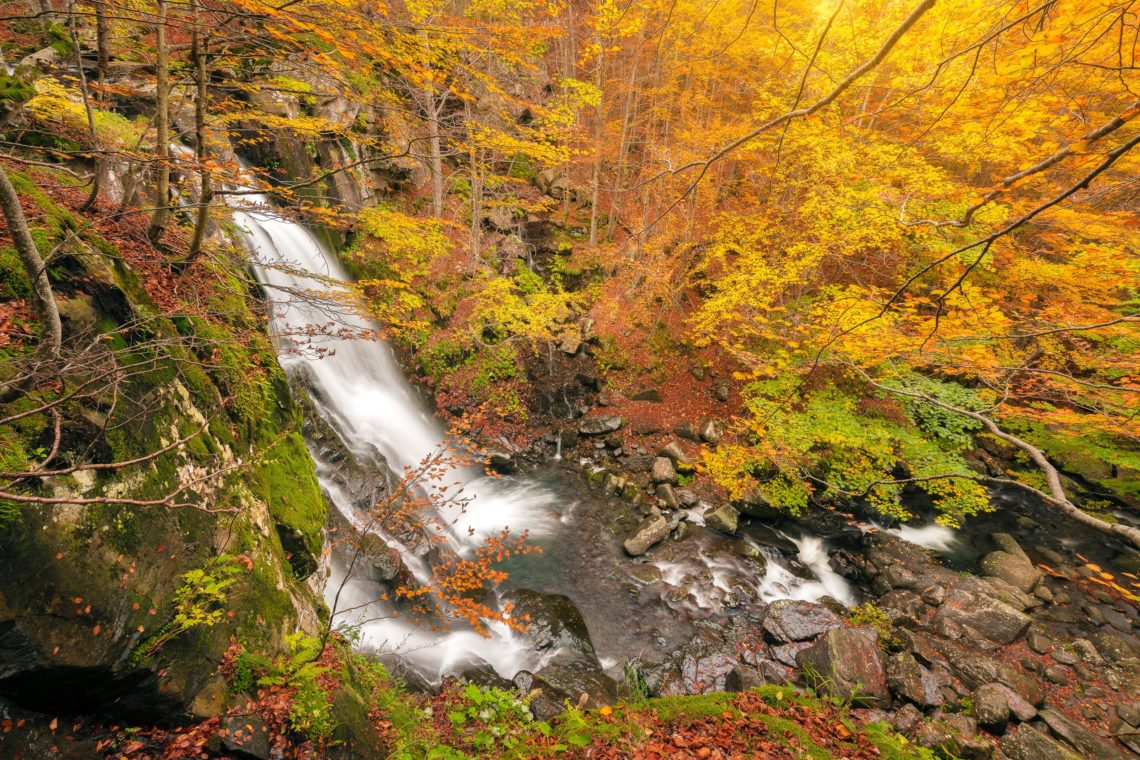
(102, 39)
(51, 334)
(596, 174)
(206, 188)
(435, 144)
(162, 127)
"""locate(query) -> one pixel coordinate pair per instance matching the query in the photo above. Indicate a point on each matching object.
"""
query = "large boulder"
(704, 664)
(1014, 570)
(652, 531)
(788, 620)
(990, 618)
(847, 663)
(991, 705)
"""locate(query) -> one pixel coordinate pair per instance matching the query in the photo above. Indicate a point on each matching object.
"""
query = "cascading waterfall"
(361, 393)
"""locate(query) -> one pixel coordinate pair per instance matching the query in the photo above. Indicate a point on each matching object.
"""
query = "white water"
(713, 579)
(361, 392)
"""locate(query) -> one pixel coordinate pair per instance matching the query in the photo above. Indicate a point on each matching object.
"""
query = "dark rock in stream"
(724, 518)
(651, 531)
(788, 620)
(555, 624)
(559, 683)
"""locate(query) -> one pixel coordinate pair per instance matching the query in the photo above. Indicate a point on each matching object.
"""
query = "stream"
(632, 608)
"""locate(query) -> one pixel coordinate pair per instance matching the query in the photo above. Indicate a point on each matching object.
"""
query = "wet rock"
(603, 424)
(788, 620)
(687, 497)
(914, 683)
(701, 666)
(666, 493)
(554, 623)
(993, 619)
(645, 574)
(785, 654)
(386, 563)
(566, 681)
(244, 736)
(724, 518)
(502, 462)
(651, 531)
(1088, 744)
(847, 663)
(991, 707)
(1015, 570)
(663, 471)
(1027, 743)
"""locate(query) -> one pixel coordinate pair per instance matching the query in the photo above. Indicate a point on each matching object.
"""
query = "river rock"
(1088, 744)
(911, 681)
(847, 663)
(555, 624)
(652, 531)
(674, 452)
(1027, 743)
(663, 471)
(562, 682)
(602, 424)
(478, 671)
(1112, 648)
(1015, 570)
(668, 495)
(993, 619)
(502, 462)
(724, 518)
(701, 666)
(788, 620)
(991, 707)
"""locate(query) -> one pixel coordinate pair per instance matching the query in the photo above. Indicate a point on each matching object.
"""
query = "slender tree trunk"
(596, 174)
(51, 333)
(435, 145)
(87, 109)
(198, 53)
(162, 127)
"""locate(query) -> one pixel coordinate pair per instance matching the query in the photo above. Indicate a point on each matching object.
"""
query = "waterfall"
(359, 389)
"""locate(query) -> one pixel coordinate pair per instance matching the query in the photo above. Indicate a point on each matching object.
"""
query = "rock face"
(788, 620)
(1086, 743)
(652, 531)
(600, 425)
(847, 663)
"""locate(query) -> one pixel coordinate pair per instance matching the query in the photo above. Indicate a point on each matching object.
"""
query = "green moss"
(288, 486)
